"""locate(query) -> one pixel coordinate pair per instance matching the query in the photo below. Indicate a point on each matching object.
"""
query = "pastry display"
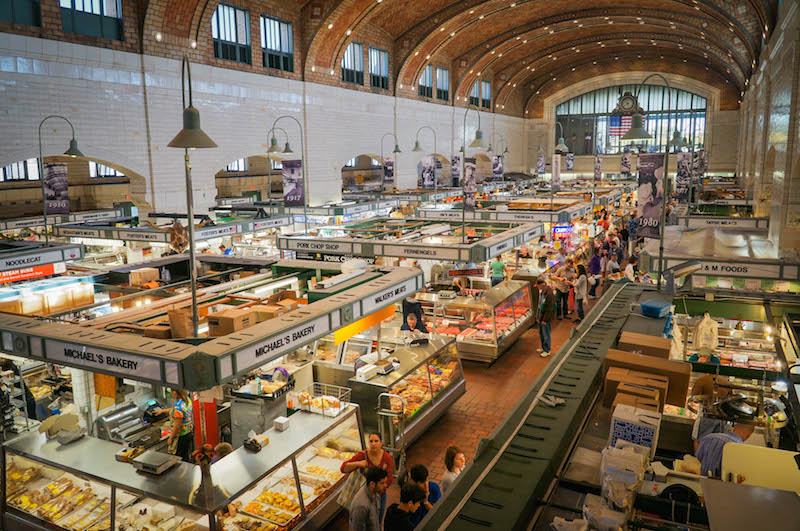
(87, 516)
(318, 402)
(280, 501)
(268, 512)
(326, 355)
(333, 475)
(241, 522)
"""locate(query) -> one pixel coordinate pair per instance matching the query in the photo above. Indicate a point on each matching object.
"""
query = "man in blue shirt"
(709, 452)
(418, 475)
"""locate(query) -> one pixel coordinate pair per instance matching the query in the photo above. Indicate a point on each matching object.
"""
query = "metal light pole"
(275, 148)
(302, 164)
(477, 143)
(190, 137)
(637, 132)
(418, 148)
(560, 148)
(72, 152)
(383, 163)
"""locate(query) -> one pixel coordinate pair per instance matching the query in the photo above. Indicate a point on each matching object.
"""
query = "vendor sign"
(465, 272)
(562, 231)
(27, 273)
(651, 189)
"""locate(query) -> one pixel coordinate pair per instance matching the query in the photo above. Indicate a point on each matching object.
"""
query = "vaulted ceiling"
(527, 48)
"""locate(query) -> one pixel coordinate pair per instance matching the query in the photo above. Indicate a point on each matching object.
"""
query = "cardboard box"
(639, 390)
(649, 385)
(644, 344)
(265, 312)
(281, 295)
(180, 322)
(158, 331)
(288, 304)
(635, 401)
(229, 321)
(13, 306)
(635, 425)
(245, 274)
(678, 372)
(143, 275)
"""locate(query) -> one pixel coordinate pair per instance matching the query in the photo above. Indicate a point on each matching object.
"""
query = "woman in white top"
(454, 461)
(581, 290)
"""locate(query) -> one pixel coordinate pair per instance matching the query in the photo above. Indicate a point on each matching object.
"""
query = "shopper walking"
(563, 278)
(373, 456)
(418, 475)
(594, 270)
(454, 462)
(365, 512)
(581, 290)
(630, 269)
(499, 271)
(547, 313)
(400, 516)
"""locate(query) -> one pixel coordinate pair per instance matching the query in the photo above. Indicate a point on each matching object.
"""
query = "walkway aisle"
(491, 393)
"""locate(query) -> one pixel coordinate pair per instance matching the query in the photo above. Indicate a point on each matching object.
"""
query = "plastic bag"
(600, 516)
(707, 333)
(561, 524)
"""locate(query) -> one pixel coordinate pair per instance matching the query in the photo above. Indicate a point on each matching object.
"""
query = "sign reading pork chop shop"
(281, 343)
(391, 295)
(126, 365)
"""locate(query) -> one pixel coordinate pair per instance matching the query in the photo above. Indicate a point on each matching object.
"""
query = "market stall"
(732, 261)
(553, 210)
(289, 484)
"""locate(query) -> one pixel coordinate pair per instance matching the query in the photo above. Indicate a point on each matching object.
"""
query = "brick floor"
(491, 393)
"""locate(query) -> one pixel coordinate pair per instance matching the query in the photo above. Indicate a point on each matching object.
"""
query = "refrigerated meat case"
(82, 487)
(485, 327)
(427, 380)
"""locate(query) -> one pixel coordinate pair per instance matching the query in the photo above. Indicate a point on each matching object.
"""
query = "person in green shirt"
(499, 271)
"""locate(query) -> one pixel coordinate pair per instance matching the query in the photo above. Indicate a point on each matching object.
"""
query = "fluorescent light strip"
(275, 285)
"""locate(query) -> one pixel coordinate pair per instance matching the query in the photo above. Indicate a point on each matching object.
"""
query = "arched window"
(590, 127)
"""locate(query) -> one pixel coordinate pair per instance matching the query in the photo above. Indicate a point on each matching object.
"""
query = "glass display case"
(483, 327)
(291, 483)
(335, 364)
(427, 378)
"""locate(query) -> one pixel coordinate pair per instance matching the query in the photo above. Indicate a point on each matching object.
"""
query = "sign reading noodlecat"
(102, 360)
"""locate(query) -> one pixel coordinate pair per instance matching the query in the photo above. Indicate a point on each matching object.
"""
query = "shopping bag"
(352, 484)
(571, 300)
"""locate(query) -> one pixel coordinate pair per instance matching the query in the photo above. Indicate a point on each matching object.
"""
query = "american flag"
(619, 125)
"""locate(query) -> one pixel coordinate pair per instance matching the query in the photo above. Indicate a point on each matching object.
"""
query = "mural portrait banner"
(651, 189)
(56, 190)
(294, 192)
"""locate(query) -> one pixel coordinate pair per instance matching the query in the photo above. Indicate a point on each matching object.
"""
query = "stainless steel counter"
(230, 476)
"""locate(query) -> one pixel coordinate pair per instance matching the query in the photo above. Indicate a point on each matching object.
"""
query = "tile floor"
(491, 393)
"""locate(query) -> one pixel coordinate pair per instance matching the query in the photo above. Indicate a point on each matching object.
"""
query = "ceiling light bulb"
(441, 29)
(193, 44)
(492, 52)
(159, 36)
(348, 32)
(330, 26)
(416, 53)
(480, 17)
(332, 71)
(514, 4)
(525, 41)
(428, 56)
(453, 34)
(501, 55)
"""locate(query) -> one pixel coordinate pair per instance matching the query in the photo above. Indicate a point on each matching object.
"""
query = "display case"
(427, 378)
(291, 483)
(483, 327)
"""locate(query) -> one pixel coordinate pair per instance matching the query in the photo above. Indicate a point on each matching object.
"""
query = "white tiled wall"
(126, 108)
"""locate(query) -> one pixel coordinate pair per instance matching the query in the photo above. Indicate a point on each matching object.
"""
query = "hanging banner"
(699, 166)
(556, 179)
(455, 170)
(682, 177)
(598, 167)
(651, 188)
(497, 168)
(470, 185)
(427, 171)
(540, 164)
(625, 163)
(570, 161)
(294, 193)
(56, 190)
(388, 169)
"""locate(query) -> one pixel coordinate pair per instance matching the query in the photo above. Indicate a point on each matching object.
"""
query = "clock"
(627, 102)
